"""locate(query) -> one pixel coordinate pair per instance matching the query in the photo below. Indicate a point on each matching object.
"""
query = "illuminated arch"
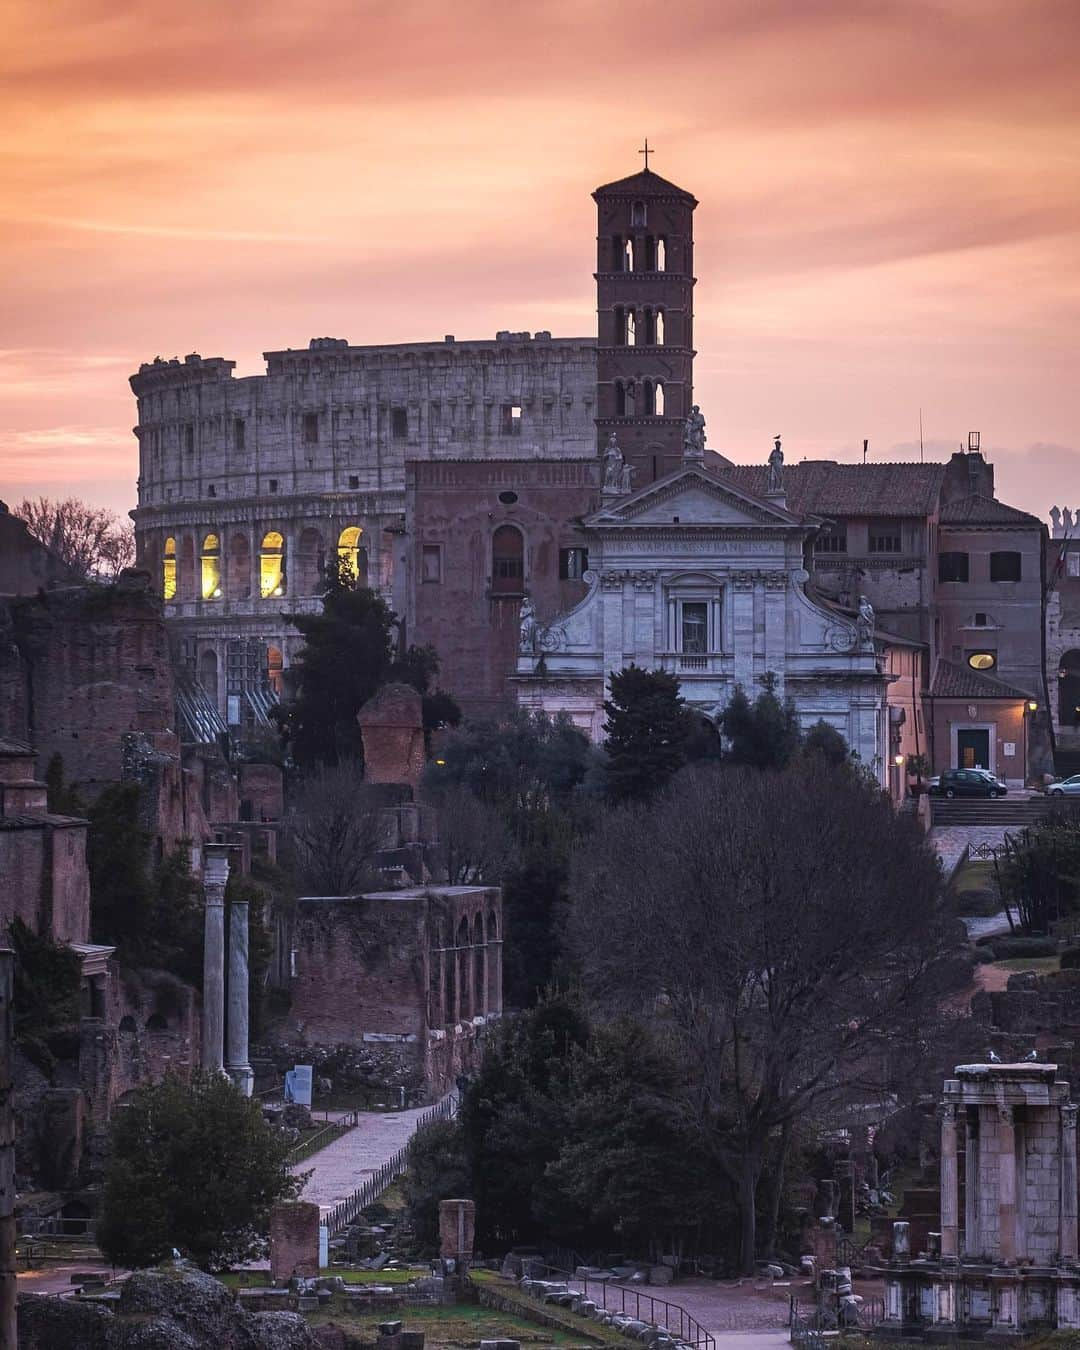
(211, 568)
(272, 565)
(351, 556)
(168, 570)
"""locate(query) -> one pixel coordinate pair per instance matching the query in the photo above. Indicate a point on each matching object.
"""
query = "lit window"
(272, 565)
(275, 663)
(352, 557)
(211, 568)
(168, 570)
(982, 660)
(573, 563)
(431, 563)
(1072, 564)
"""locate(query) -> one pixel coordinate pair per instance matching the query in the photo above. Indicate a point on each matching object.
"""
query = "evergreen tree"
(827, 743)
(647, 731)
(193, 1166)
(765, 733)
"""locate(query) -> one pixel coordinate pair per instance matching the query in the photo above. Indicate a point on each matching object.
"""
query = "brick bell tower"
(645, 308)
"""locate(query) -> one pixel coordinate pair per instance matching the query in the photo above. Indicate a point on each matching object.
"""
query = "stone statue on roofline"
(613, 465)
(864, 625)
(694, 435)
(776, 468)
(527, 620)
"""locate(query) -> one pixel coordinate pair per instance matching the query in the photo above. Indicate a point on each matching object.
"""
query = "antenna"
(865, 447)
(920, 437)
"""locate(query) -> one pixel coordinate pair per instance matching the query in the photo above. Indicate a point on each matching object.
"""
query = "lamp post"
(1030, 709)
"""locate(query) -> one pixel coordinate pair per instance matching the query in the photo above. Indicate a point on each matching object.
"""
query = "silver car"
(1065, 787)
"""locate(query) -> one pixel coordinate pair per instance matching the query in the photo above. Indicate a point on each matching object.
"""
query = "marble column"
(1006, 1186)
(237, 1066)
(215, 877)
(949, 1185)
(972, 1239)
(1068, 1239)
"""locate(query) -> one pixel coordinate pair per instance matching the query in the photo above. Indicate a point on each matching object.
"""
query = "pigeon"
(1031, 1057)
(993, 1057)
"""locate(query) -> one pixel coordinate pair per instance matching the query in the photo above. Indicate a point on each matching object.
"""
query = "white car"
(1065, 787)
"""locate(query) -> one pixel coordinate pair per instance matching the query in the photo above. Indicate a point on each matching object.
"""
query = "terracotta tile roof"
(980, 510)
(822, 487)
(952, 680)
(645, 182)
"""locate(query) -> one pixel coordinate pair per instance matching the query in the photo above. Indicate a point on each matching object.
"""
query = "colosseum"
(247, 485)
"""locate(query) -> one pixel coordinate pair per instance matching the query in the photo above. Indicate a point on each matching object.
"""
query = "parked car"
(1065, 787)
(967, 783)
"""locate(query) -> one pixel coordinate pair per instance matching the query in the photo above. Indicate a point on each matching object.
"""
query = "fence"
(806, 1329)
(657, 1312)
(334, 1129)
(348, 1210)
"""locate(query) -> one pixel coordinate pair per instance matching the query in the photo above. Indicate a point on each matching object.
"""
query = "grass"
(591, 1331)
(248, 1279)
(459, 1325)
(975, 890)
(1041, 965)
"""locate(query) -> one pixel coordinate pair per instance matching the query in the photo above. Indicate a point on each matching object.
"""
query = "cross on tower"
(645, 152)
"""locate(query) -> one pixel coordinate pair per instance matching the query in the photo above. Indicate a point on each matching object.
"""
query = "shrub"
(1070, 958)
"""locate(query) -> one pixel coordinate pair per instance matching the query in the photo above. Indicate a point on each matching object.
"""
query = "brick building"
(1063, 635)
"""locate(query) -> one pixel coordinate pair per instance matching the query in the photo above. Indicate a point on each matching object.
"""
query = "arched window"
(479, 953)
(637, 214)
(620, 325)
(617, 255)
(658, 399)
(239, 579)
(211, 568)
(620, 399)
(465, 984)
(631, 398)
(308, 566)
(648, 326)
(352, 556)
(127, 1026)
(631, 328)
(507, 561)
(187, 568)
(208, 673)
(661, 255)
(168, 570)
(272, 565)
(650, 253)
(450, 970)
(658, 335)
(494, 958)
(275, 664)
(648, 398)
(155, 1022)
(628, 255)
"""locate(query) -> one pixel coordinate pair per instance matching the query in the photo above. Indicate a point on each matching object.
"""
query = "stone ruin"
(1005, 1261)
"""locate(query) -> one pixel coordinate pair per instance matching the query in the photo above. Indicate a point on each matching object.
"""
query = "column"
(1068, 1252)
(238, 1067)
(972, 1239)
(215, 876)
(776, 584)
(1006, 1186)
(742, 585)
(949, 1184)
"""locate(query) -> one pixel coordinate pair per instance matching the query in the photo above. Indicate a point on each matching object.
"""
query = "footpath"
(340, 1169)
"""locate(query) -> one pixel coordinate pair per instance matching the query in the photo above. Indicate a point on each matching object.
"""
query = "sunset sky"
(889, 218)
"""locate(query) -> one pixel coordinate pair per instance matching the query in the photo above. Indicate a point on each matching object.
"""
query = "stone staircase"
(1007, 812)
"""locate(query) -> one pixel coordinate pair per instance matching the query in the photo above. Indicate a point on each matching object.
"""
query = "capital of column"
(1006, 1115)
(216, 871)
(1069, 1113)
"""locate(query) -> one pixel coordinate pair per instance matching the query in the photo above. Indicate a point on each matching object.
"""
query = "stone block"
(457, 1228)
(392, 727)
(294, 1240)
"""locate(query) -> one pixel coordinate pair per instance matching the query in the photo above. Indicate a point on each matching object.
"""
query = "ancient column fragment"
(238, 1067)
(972, 1235)
(1006, 1185)
(1068, 1186)
(949, 1184)
(215, 877)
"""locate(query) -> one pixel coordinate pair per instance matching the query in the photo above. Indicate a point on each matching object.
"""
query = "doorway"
(973, 749)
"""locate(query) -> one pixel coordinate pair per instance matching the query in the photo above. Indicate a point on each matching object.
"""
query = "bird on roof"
(1031, 1057)
(993, 1057)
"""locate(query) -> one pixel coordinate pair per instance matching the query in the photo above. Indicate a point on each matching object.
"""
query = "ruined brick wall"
(97, 663)
(14, 691)
(27, 566)
(454, 510)
(44, 878)
(261, 792)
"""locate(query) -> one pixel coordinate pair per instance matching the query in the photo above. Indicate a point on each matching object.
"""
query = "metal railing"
(805, 1327)
(656, 1312)
(331, 1131)
(348, 1210)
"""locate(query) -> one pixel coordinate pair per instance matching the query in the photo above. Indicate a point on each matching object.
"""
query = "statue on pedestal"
(864, 625)
(694, 435)
(776, 468)
(527, 621)
(613, 466)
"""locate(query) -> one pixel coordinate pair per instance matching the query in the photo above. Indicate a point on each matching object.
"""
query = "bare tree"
(334, 827)
(94, 542)
(474, 843)
(789, 926)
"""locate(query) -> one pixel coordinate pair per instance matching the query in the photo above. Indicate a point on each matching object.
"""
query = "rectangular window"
(506, 570)
(573, 563)
(272, 485)
(238, 434)
(1005, 566)
(311, 428)
(189, 438)
(832, 539)
(1072, 564)
(885, 536)
(354, 480)
(952, 567)
(695, 627)
(399, 423)
(431, 562)
(511, 419)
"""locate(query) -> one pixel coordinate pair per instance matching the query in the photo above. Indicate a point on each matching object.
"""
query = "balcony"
(690, 664)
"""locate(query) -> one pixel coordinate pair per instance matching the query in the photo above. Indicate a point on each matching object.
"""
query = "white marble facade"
(692, 575)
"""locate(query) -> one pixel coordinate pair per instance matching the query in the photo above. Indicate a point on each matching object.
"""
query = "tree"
(349, 653)
(474, 845)
(824, 741)
(534, 906)
(436, 1171)
(792, 926)
(765, 733)
(334, 827)
(48, 976)
(96, 544)
(1039, 872)
(195, 1167)
(647, 730)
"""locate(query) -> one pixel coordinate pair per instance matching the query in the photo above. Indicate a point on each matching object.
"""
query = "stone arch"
(1069, 688)
(210, 567)
(127, 1026)
(310, 561)
(275, 667)
(238, 578)
(466, 993)
(187, 568)
(156, 1022)
(168, 569)
(208, 674)
(352, 554)
(508, 560)
(480, 964)
(272, 565)
(449, 959)
(493, 954)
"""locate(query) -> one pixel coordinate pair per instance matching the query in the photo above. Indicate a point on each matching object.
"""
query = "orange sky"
(889, 219)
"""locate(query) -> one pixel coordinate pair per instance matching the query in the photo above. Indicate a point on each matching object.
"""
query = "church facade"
(693, 575)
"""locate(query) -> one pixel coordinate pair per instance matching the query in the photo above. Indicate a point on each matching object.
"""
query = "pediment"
(697, 498)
